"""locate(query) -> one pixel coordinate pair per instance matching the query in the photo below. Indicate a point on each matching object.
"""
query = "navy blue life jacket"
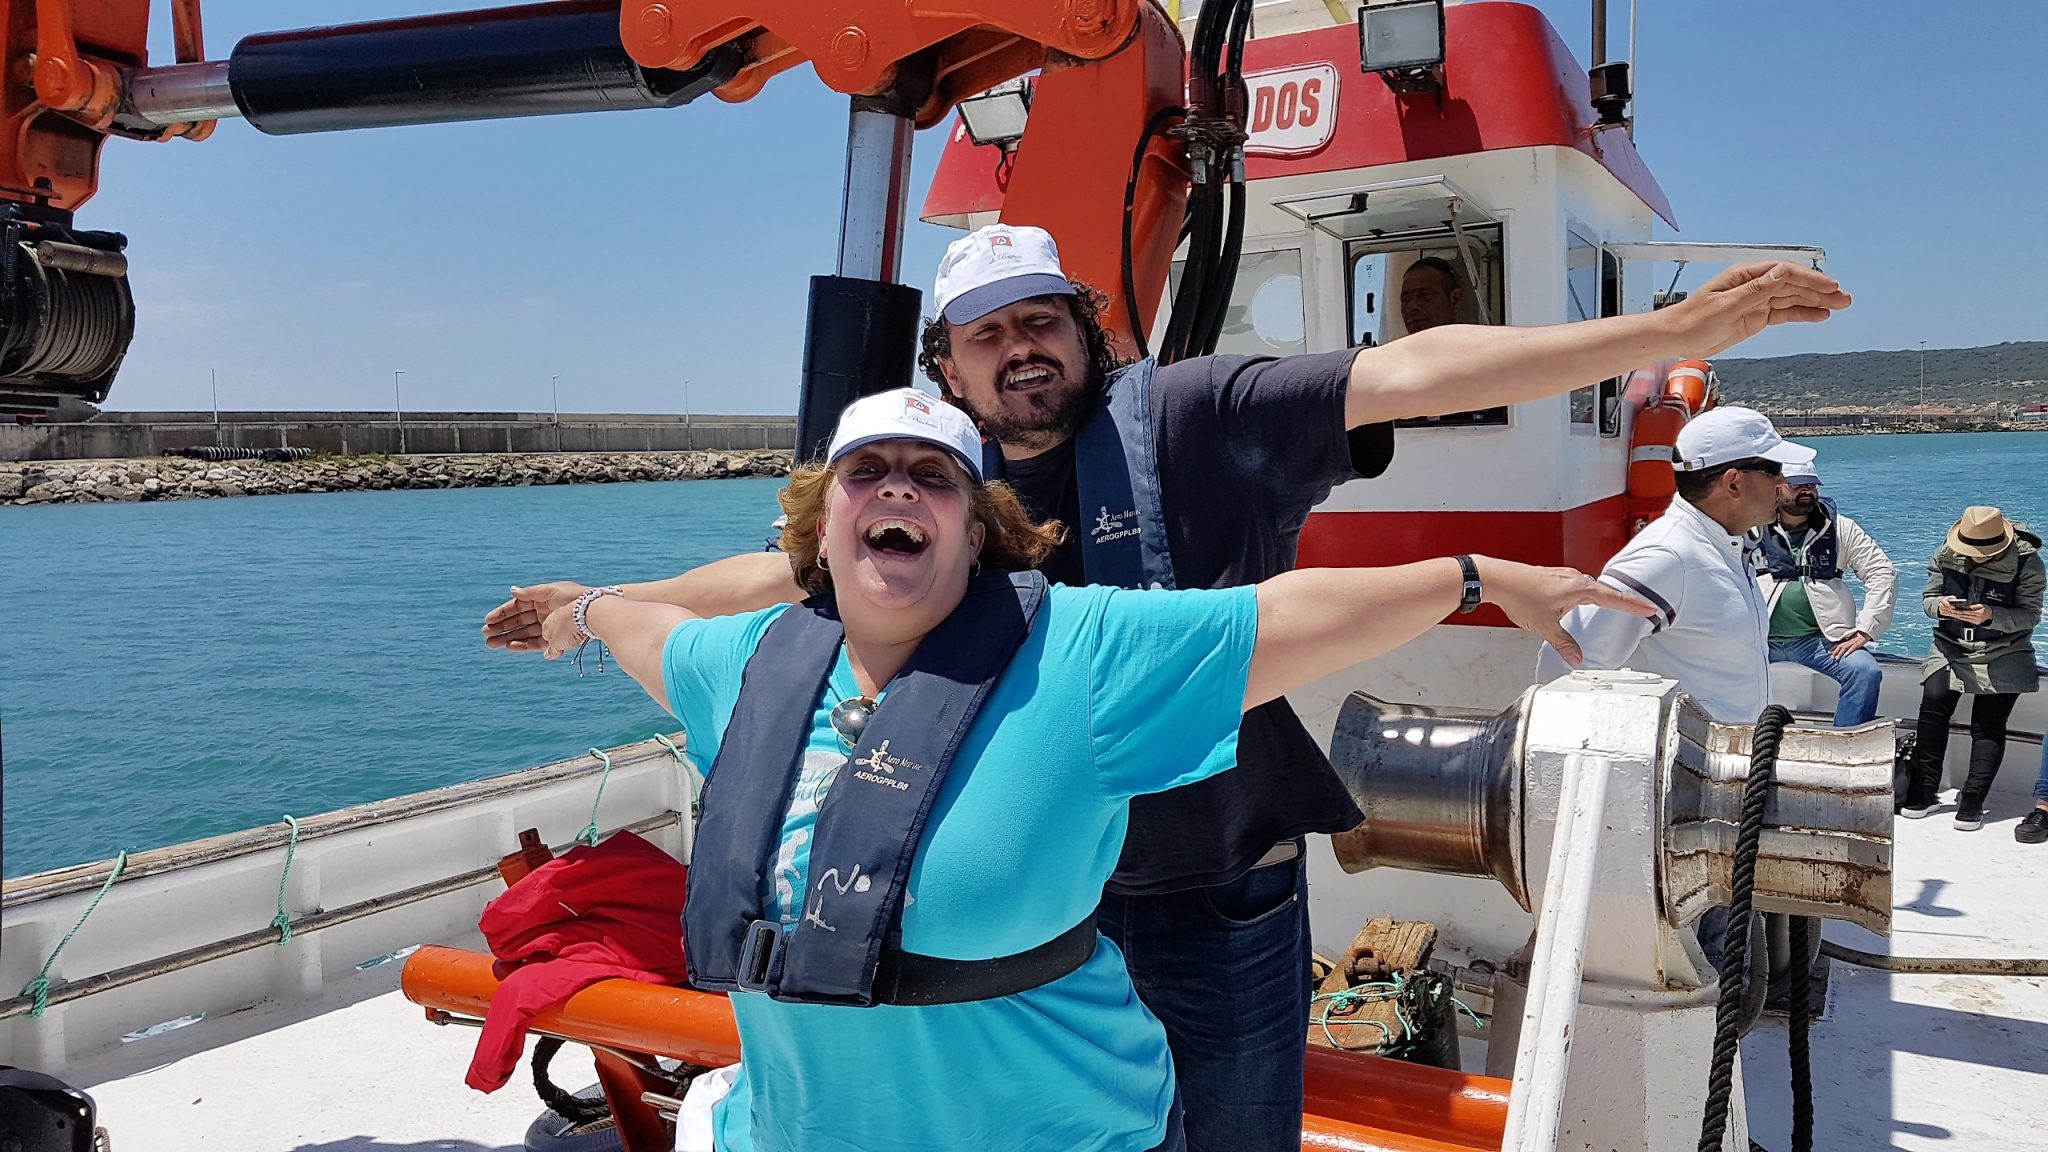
(844, 949)
(1116, 466)
(1823, 548)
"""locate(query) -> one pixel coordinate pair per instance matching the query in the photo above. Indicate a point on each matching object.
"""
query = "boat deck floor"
(1908, 1062)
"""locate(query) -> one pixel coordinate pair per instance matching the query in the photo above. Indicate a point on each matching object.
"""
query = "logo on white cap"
(994, 267)
(907, 414)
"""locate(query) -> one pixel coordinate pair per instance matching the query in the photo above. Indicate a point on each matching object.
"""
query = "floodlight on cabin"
(997, 116)
(1403, 44)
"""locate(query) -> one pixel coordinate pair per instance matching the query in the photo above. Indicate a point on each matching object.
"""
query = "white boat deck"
(371, 1076)
(1917, 1063)
(1928, 1062)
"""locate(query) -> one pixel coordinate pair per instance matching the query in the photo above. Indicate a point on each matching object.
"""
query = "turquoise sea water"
(178, 670)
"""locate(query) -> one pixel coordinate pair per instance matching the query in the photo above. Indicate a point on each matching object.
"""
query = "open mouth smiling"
(893, 536)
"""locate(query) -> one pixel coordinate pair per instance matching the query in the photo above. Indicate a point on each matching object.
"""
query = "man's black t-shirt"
(1246, 446)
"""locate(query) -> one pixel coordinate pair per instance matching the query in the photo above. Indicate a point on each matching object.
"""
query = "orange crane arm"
(1108, 68)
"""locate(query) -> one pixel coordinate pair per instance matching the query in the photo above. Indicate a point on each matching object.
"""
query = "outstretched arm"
(1460, 367)
(744, 583)
(1315, 621)
(634, 633)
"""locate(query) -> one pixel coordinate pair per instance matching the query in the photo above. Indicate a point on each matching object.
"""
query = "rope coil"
(39, 988)
(1763, 773)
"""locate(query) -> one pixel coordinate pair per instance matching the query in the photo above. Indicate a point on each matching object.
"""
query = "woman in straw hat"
(1984, 591)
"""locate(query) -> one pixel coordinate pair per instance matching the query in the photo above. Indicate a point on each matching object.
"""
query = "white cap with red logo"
(907, 414)
(994, 267)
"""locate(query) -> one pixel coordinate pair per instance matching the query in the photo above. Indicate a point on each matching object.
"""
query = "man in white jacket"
(1693, 563)
(1814, 618)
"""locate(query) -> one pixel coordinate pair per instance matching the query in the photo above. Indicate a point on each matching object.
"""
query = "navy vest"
(1116, 466)
(1823, 548)
(871, 821)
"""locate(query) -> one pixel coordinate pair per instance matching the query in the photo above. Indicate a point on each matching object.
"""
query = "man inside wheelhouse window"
(1431, 297)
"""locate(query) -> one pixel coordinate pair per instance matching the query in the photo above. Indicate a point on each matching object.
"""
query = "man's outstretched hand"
(1748, 298)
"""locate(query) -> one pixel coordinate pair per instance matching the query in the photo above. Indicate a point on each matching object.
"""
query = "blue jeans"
(1226, 970)
(1858, 675)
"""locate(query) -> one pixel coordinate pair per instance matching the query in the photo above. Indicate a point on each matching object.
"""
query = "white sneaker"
(1969, 819)
(1917, 813)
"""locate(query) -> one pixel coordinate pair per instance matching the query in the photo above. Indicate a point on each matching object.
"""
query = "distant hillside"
(1957, 378)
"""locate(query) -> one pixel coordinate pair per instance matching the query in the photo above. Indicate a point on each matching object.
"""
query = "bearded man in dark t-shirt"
(1209, 903)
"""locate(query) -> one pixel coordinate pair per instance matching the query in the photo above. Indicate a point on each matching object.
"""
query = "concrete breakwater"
(167, 478)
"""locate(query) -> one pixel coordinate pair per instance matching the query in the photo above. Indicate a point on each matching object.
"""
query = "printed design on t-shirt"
(1111, 527)
(814, 779)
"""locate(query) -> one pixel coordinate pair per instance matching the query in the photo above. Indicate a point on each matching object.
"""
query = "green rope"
(696, 796)
(283, 921)
(40, 986)
(589, 833)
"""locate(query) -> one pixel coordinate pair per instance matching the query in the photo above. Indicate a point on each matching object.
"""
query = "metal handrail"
(268, 936)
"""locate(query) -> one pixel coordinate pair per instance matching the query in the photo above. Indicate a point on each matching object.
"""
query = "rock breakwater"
(166, 478)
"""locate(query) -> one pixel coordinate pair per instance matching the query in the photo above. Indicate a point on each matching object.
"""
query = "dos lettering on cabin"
(1294, 110)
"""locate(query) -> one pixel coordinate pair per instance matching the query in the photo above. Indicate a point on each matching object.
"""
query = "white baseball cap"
(1726, 434)
(994, 267)
(1798, 474)
(907, 414)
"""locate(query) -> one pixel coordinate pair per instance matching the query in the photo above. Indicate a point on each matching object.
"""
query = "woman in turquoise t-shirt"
(1110, 694)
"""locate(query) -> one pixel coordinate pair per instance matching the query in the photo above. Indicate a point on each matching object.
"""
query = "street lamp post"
(213, 374)
(398, 403)
(556, 393)
(687, 439)
(1923, 376)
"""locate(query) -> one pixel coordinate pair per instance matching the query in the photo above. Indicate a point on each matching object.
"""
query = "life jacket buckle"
(761, 956)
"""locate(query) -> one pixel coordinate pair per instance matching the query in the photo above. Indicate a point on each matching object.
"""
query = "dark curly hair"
(1088, 305)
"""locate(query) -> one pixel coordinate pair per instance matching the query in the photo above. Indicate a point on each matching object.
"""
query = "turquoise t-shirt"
(1115, 693)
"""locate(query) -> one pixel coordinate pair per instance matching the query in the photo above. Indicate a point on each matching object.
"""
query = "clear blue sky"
(627, 252)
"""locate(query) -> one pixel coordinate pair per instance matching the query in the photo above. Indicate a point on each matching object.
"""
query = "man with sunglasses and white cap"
(1200, 474)
(1815, 622)
(1695, 564)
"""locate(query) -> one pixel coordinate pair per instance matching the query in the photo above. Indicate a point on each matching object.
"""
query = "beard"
(1035, 420)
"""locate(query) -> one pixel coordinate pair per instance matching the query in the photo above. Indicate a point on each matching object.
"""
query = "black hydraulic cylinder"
(861, 339)
(532, 60)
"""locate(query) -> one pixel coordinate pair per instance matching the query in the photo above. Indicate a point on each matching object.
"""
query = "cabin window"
(1593, 290)
(1445, 281)
(1267, 315)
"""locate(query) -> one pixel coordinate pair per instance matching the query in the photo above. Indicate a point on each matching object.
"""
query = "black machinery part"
(861, 339)
(66, 313)
(530, 60)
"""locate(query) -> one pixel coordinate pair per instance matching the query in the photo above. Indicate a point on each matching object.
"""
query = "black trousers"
(1988, 713)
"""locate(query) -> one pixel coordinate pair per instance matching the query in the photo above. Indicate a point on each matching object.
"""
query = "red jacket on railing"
(615, 910)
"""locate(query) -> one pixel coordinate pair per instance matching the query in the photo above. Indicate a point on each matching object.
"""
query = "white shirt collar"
(1733, 546)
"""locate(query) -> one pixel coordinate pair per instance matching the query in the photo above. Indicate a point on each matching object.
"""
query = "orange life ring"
(1652, 449)
(1694, 383)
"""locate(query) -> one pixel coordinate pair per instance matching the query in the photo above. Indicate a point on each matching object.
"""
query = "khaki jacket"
(1998, 656)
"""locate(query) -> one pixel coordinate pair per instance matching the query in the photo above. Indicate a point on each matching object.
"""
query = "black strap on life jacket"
(1116, 469)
